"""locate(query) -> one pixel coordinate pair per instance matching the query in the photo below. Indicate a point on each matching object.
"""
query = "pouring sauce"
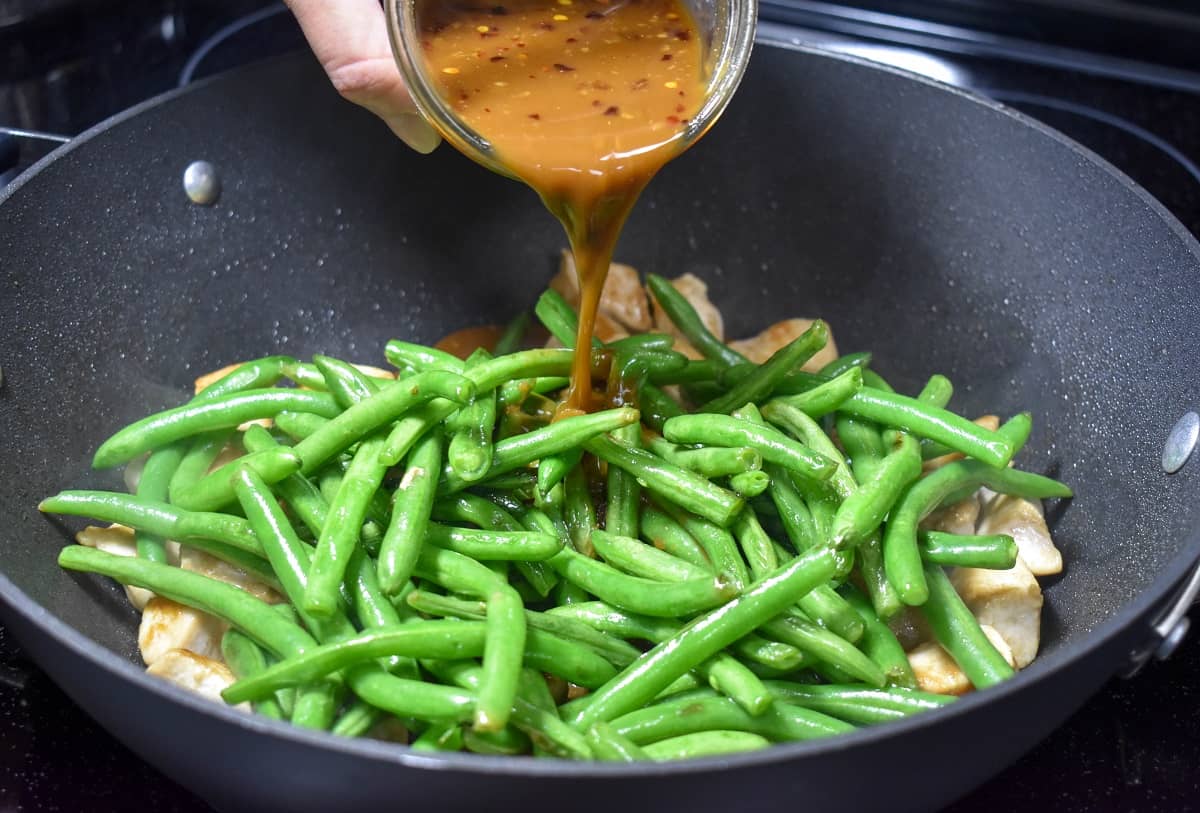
(583, 100)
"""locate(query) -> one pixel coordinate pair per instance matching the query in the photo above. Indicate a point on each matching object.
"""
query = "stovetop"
(1134, 747)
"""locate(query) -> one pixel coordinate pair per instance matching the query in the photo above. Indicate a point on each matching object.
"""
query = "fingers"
(349, 38)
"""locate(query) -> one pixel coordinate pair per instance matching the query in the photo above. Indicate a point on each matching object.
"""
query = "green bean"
(622, 492)
(439, 737)
(609, 746)
(826, 646)
(470, 429)
(639, 559)
(451, 640)
(157, 518)
(153, 484)
(578, 512)
(411, 510)
(755, 544)
(1016, 430)
(507, 741)
(641, 595)
(793, 512)
(683, 488)
(190, 419)
(959, 633)
(413, 426)
(216, 490)
(937, 391)
(699, 712)
(900, 551)
(489, 515)
(829, 396)
(552, 469)
(693, 372)
(245, 659)
(346, 384)
(928, 421)
(299, 425)
(419, 357)
(707, 461)
(500, 546)
(806, 430)
(719, 546)
(558, 317)
(749, 484)
(858, 704)
(514, 333)
(705, 744)
(884, 598)
(842, 364)
(684, 317)
(646, 677)
(862, 442)
(560, 436)
(249, 375)
(657, 407)
(773, 445)
(995, 552)
(612, 649)
(504, 646)
(199, 457)
(863, 511)
(380, 409)
(759, 384)
(340, 535)
(668, 535)
(253, 617)
(880, 644)
(357, 720)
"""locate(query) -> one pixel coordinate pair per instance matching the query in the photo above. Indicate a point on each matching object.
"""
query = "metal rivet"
(1181, 442)
(201, 183)
(1174, 638)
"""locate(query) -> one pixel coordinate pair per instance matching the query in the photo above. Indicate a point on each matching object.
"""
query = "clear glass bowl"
(726, 28)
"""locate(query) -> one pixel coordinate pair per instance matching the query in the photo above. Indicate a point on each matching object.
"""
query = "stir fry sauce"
(583, 100)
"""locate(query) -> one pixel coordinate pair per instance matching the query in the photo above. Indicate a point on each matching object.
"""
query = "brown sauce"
(584, 100)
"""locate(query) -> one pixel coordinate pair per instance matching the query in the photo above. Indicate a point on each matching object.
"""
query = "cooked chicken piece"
(1009, 601)
(1024, 522)
(957, 518)
(937, 672)
(119, 541)
(389, 729)
(167, 626)
(695, 291)
(986, 421)
(200, 562)
(196, 673)
(623, 302)
(761, 347)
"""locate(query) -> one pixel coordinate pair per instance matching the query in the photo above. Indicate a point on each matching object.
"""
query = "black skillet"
(943, 232)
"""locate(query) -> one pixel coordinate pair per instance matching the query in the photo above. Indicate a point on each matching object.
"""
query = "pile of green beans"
(653, 580)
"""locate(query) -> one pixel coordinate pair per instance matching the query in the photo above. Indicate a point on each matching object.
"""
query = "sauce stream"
(583, 100)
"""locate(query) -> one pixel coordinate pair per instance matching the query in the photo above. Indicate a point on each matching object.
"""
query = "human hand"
(349, 38)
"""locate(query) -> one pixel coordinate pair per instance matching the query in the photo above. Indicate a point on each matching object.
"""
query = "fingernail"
(415, 132)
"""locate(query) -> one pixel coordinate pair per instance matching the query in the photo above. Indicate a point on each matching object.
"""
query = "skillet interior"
(945, 235)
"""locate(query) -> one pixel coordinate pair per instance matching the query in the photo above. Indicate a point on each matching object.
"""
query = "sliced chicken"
(938, 673)
(200, 562)
(1010, 601)
(1024, 522)
(623, 301)
(196, 673)
(695, 291)
(119, 541)
(761, 347)
(956, 518)
(167, 626)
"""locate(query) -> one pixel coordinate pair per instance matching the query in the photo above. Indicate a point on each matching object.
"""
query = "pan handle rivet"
(1181, 442)
(201, 183)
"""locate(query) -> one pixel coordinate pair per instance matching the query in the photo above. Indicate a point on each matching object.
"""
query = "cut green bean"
(995, 552)
(245, 660)
(216, 490)
(719, 546)
(514, 333)
(959, 633)
(759, 384)
(773, 445)
(668, 535)
(639, 559)
(880, 644)
(411, 508)
(154, 484)
(684, 317)
(609, 746)
(859, 704)
(700, 711)
(708, 461)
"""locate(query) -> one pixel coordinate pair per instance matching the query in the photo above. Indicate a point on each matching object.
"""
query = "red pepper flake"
(561, 68)
(666, 57)
(596, 102)
(679, 108)
(487, 110)
(571, 39)
(496, 59)
(683, 34)
(594, 15)
(612, 111)
(672, 119)
(535, 116)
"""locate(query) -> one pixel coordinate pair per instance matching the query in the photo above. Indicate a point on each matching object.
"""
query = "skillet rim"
(1150, 599)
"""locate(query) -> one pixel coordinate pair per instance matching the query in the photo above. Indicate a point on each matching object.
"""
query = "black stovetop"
(1134, 747)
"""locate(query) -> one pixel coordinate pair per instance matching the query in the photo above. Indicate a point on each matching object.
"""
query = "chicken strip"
(695, 291)
(1010, 601)
(196, 673)
(1024, 522)
(119, 541)
(167, 626)
(938, 673)
(623, 302)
